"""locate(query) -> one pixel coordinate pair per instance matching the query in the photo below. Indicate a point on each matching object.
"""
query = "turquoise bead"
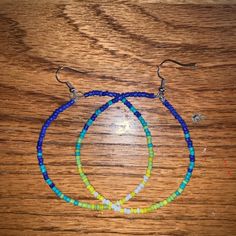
(48, 181)
(82, 134)
(150, 145)
(110, 102)
(182, 185)
(187, 135)
(191, 165)
(67, 199)
(133, 109)
(76, 203)
(90, 122)
(43, 168)
(191, 150)
(98, 111)
(143, 122)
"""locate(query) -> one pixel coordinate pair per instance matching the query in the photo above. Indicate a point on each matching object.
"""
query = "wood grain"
(117, 46)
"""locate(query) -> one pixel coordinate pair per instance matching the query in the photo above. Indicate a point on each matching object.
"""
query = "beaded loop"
(84, 178)
(152, 207)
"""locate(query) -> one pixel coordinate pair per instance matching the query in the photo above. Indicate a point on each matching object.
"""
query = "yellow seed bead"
(62, 195)
(133, 194)
(122, 210)
(149, 138)
(72, 201)
(180, 190)
(165, 202)
(123, 201)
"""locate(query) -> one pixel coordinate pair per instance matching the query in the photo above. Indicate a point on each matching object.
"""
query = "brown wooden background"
(117, 47)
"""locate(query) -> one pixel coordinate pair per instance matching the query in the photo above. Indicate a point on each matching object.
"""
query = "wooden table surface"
(117, 47)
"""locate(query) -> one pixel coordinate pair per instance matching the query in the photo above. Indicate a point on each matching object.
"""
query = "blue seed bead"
(87, 94)
(190, 170)
(86, 127)
(190, 145)
(185, 131)
(137, 114)
(116, 99)
(40, 142)
(140, 94)
(51, 185)
(150, 145)
(104, 107)
(45, 176)
(188, 140)
(177, 193)
(152, 95)
(127, 103)
(40, 161)
(93, 117)
(112, 94)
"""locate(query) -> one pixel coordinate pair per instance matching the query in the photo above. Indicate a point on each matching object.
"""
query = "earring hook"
(72, 89)
(162, 86)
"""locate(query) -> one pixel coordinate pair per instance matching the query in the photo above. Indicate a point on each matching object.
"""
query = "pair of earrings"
(116, 97)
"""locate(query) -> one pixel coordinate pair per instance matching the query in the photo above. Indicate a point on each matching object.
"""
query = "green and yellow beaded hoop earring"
(116, 97)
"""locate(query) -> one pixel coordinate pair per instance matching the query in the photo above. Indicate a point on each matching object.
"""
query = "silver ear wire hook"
(162, 86)
(74, 93)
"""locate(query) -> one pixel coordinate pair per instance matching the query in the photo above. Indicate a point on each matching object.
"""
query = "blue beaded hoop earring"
(119, 97)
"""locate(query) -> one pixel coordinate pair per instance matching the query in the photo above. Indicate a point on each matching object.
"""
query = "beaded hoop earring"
(119, 97)
(82, 135)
